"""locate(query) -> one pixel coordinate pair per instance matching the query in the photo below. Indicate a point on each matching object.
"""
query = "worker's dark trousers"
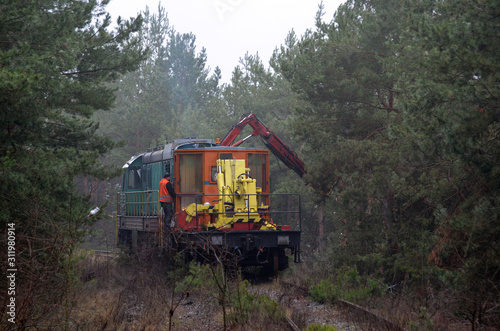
(168, 212)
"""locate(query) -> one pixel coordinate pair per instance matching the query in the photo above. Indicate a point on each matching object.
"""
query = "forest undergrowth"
(144, 292)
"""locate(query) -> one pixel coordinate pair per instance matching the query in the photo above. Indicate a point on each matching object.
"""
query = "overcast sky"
(230, 28)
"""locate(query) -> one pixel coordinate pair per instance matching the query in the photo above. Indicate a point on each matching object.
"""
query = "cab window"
(134, 178)
(190, 173)
(257, 165)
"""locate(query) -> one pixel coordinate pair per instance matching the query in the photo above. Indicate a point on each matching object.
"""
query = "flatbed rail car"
(222, 198)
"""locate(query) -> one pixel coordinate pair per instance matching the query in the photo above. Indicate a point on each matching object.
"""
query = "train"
(223, 200)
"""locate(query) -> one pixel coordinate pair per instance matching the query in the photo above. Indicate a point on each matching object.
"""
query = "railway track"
(103, 253)
(344, 314)
(301, 311)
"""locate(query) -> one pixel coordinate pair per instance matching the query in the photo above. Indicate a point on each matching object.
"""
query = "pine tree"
(455, 111)
(340, 70)
(171, 96)
(190, 85)
(401, 127)
(143, 96)
(56, 58)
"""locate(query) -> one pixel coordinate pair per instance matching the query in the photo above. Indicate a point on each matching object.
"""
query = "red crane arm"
(273, 142)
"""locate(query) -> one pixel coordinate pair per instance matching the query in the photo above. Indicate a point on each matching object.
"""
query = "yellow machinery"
(238, 202)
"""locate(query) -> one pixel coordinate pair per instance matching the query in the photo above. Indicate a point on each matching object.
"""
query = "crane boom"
(273, 142)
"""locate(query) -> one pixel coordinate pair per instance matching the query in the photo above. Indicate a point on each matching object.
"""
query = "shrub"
(348, 285)
(325, 292)
(320, 327)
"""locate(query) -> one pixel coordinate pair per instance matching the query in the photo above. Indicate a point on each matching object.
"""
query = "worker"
(167, 196)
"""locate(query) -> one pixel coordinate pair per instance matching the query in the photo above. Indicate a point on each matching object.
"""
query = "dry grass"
(136, 293)
(131, 293)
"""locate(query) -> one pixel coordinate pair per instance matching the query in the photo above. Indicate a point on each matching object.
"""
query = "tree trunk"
(321, 229)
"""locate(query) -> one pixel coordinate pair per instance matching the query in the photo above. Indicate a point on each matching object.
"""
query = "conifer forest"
(393, 106)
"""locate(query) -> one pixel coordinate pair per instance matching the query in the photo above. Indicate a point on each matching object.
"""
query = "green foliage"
(347, 285)
(454, 108)
(406, 96)
(424, 321)
(248, 306)
(171, 96)
(56, 61)
(325, 291)
(198, 277)
(321, 327)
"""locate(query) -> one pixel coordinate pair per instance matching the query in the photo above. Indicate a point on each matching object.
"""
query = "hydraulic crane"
(273, 142)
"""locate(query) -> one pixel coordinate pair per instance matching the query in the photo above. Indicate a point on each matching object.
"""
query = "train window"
(190, 173)
(134, 178)
(213, 174)
(257, 165)
(186, 201)
(147, 180)
(167, 166)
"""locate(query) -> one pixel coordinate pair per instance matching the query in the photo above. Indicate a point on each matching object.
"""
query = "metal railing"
(284, 208)
(141, 203)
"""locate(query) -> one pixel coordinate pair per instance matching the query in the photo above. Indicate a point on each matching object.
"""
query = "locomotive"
(222, 201)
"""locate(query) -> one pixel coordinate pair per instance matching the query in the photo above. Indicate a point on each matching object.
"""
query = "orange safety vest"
(164, 195)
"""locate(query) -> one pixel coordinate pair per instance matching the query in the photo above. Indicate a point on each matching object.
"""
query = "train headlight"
(283, 240)
(217, 240)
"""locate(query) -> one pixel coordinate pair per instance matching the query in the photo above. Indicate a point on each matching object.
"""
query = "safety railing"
(283, 208)
(141, 203)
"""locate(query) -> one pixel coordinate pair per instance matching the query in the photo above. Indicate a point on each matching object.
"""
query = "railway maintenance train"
(223, 199)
